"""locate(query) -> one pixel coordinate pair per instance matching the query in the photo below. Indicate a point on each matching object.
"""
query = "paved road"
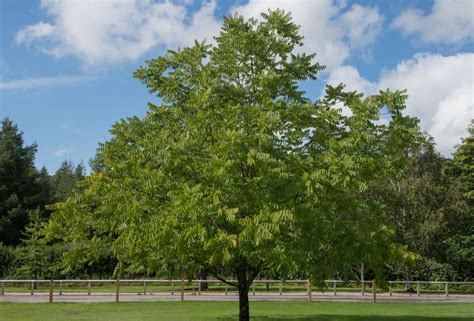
(342, 297)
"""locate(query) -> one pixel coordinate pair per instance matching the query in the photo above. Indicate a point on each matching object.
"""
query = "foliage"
(426, 208)
(22, 187)
(32, 257)
(460, 244)
(7, 260)
(65, 180)
(237, 171)
(461, 167)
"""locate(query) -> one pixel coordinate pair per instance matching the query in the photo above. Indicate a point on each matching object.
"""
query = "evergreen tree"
(33, 255)
(22, 188)
(65, 179)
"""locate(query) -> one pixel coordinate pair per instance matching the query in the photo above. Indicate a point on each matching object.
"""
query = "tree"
(33, 256)
(461, 167)
(65, 180)
(21, 186)
(237, 172)
(426, 209)
(460, 171)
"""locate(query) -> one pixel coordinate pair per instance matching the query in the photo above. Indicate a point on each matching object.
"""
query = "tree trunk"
(203, 276)
(243, 286)
(244, 308)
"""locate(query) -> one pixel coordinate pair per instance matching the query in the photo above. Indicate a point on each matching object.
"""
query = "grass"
(227, 311)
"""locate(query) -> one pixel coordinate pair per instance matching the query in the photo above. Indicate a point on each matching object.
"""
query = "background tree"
(460, 171)
(237, 172)
(65, 180)
(22, 188)
(33, 256)
(426, 208)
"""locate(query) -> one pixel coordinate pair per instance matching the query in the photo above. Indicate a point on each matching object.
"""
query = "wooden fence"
(361, 286)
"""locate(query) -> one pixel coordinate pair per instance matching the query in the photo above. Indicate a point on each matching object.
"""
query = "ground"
(227, 311)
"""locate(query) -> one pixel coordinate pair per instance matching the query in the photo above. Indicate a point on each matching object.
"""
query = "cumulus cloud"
(350, 76)
(449, 22)
(103, 31)
(440, 90)
(62, 151)
(328, 27)
(114, 31)
(40, 82)
(362, 25)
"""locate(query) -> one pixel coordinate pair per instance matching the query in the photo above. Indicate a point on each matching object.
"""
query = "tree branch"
(224, 280)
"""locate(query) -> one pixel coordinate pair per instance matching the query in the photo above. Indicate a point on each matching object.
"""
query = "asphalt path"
(130, 297)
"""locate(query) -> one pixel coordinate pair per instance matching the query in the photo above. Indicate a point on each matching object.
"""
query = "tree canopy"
(237, 171)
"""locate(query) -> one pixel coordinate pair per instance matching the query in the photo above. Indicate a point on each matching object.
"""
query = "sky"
(66, 65)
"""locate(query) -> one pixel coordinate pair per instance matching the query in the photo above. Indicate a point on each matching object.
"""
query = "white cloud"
(452, 117)
(39, 82)
(33, 32)
(440, 92)
(363, 25)
(350, 76)
(449, 22)
(62, 152)
(327, 30)
(105, 31)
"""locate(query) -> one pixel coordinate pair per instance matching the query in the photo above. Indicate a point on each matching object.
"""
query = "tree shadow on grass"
(337, 317)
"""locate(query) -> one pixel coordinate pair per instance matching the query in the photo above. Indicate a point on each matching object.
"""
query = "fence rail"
(146, 283)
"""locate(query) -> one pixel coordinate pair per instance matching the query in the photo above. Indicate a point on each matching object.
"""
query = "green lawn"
(226, 311)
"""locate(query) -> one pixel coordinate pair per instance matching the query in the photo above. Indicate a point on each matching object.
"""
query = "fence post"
(199, 287)
(32, 287)
(89, 285)
(390, 288)
(253, 287)
(60, 287)
(182, 289)
(374, 291)
(418, 288)
(172, 287)
(310, 295)
(334, 287)
(51, 291)
(362, 283)
(281, 288)
(117, 291)
(446, 291)
(3, 288)
(144, 287)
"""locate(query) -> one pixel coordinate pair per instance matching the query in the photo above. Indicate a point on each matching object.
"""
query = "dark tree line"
(25, 193)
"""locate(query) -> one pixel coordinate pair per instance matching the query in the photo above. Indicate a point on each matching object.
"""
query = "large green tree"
(236, 171)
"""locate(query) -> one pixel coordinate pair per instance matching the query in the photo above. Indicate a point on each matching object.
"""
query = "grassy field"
(227, 311)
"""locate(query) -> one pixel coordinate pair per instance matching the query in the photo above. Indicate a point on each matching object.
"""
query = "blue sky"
(66, 66)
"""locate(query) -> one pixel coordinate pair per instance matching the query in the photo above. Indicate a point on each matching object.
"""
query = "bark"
(203, 276)
(243, 287)
(244, 308)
